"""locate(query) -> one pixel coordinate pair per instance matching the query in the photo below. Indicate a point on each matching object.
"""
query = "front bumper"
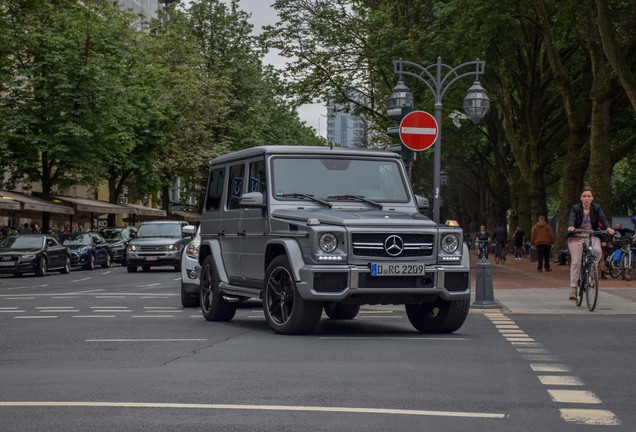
(354, 284)
(151, 260)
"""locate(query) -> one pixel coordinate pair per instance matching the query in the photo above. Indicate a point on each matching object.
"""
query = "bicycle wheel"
(591, 293)
(582, 282)
(626, 266)
(614, 265)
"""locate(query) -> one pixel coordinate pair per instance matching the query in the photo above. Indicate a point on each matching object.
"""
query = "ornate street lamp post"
(476, 103)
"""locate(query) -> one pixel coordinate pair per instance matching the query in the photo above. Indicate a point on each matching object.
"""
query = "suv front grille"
(154, 248)
(373, 245)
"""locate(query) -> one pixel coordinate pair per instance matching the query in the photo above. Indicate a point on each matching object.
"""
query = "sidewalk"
(519, 288)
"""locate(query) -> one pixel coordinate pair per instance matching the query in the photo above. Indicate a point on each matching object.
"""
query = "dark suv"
(157, 243)
(308, 229)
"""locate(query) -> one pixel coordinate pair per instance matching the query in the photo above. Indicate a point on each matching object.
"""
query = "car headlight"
(192, 250)
(83, 250)
(29, 257)
(449, 243)
(132, 248)
(174, 247)
(328, 242)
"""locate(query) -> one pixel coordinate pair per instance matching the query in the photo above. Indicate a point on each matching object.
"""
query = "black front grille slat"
(372, 245)
(368, 281)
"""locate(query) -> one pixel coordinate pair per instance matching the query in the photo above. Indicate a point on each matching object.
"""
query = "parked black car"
(87, 249)
(33, 253)
(117, 239)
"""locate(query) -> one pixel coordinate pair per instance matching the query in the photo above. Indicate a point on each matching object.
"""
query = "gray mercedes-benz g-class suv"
(308, 229)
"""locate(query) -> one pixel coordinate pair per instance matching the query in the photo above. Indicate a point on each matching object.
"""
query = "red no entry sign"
(418, 130)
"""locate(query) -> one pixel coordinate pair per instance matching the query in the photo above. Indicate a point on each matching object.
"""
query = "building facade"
(344, 128)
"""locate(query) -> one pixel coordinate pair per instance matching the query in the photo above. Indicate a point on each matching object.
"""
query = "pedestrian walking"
(542, 239)
(518, 236)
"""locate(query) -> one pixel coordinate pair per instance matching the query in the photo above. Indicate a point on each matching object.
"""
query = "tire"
(439, 316)
(337, 311)
(67, 266)
(580, 291)
(42, 266)
(591, 294)
(285, 311)
(626, 267)
(213, 306)
(108, 262)
(614, 267)
(131, 269)
(188, 300)
(90, 265)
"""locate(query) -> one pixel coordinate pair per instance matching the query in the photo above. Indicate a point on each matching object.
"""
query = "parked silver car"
(189, 278)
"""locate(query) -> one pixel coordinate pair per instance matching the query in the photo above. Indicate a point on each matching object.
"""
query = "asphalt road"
(105, 350)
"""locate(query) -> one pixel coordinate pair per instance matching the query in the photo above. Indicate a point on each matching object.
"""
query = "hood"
(155, 240)
(20, 251)
(355, 217)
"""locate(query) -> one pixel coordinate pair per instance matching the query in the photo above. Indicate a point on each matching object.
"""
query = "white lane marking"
(144, 340)
(81, 280)
(541, 357)
(377, 312)
(590, 417)
(153, 316)
(94, 316)
(550, 367)
(111, 310)
(519, 338)
(390, 338)
(19, 298)
(574, 396)
(533, 350)
(109, 307)
(511, 331)
(560, 380)
(526, 344)
(35, 317)
(66, 297)
(483, 415)
(110, 297)
(160, 307)
(54, 307)
(60, 310)
(106, 272)
(8, 308)
(147, 285)
(378, 317)
(12, 311)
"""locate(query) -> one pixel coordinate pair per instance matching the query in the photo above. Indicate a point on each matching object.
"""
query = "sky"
(314, 115)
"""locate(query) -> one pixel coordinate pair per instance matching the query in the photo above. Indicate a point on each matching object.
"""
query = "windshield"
(76, 239)
(25, 242)
(159, 230)
(332, 178)
(112, 234)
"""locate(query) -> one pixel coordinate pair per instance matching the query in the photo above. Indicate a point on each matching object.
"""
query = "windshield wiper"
(357, 198)
(305, 196)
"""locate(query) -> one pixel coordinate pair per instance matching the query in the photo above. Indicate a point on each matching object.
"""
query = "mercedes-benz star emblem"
(393, 245)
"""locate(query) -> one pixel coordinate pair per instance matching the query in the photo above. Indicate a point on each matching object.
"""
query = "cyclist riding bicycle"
(585, 216)
(482, 239)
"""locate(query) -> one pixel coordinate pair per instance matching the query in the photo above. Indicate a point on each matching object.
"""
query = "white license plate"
(7, 263)
(151, 258)
(402, 269)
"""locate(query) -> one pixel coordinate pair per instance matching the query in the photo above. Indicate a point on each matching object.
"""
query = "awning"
(33, 204)
(93, 206)
(186, 215)
(7, 204)
(140, 210)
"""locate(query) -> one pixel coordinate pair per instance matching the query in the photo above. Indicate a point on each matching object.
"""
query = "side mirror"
(252, 200)
(188, 230)
(422, 203)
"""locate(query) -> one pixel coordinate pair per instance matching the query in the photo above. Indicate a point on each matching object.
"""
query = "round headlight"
(449, 243)
(328, 242)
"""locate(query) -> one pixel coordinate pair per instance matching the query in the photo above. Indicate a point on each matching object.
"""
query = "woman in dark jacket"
(586, 216)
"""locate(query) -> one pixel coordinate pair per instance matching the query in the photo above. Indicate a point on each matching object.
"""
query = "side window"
(257, 177)
(51, 242)
(215, 189)
(235, 186)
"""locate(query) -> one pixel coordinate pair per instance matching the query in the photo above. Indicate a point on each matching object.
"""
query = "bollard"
(484, 296)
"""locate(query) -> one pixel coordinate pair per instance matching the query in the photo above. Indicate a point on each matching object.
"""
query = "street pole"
(476, 102)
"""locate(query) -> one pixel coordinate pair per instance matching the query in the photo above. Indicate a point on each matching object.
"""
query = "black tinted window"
(215, 189)
(235, 186)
